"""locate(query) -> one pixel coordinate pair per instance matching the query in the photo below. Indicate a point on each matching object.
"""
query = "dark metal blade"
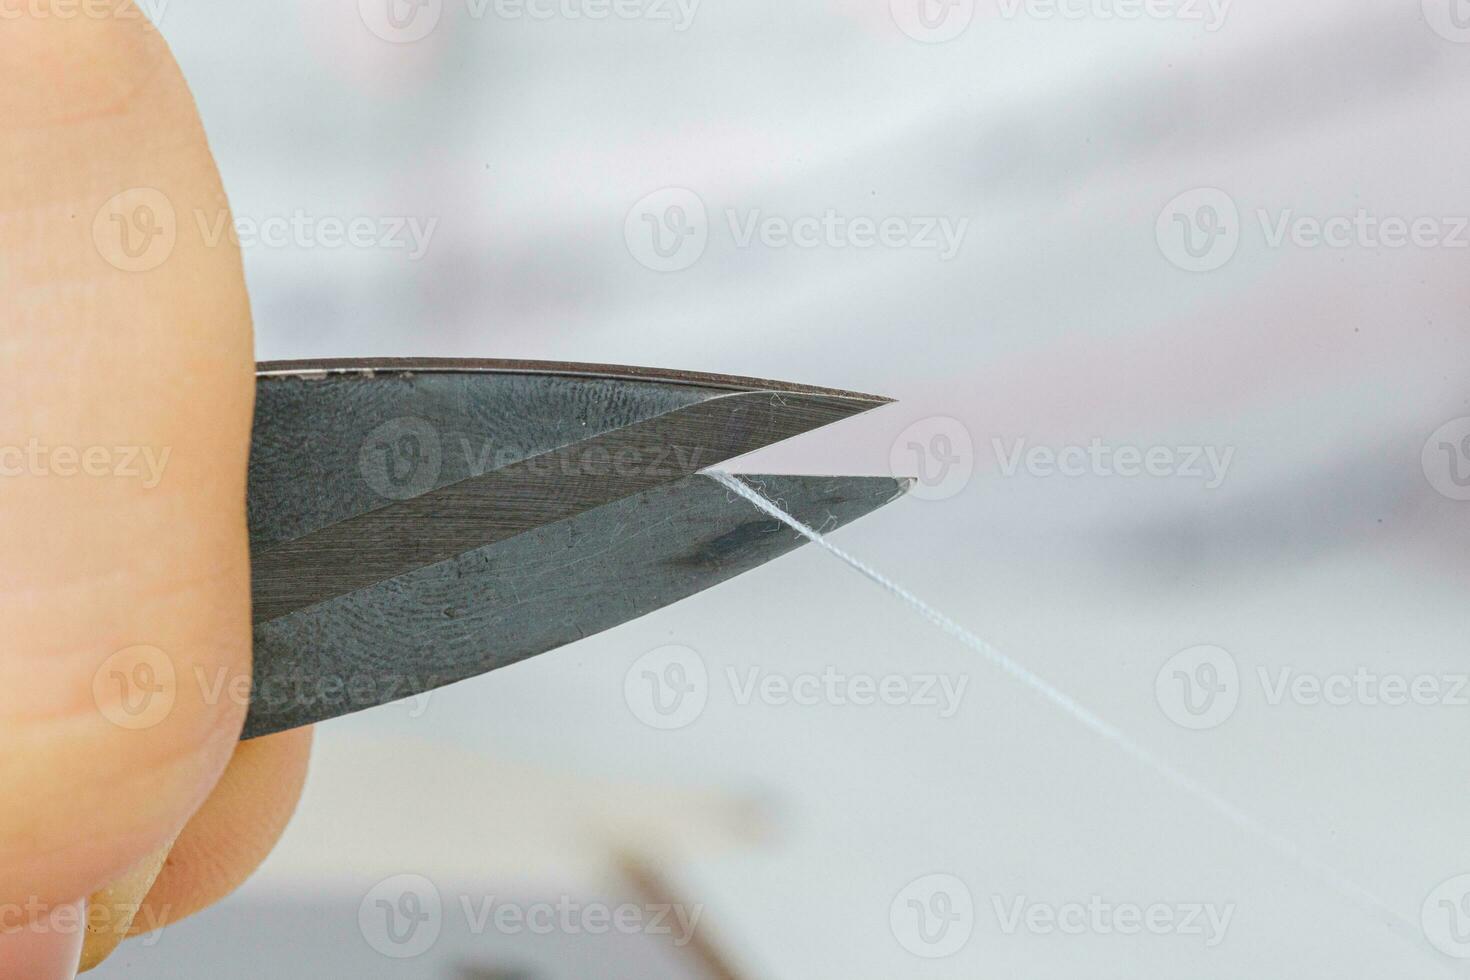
(363, 471)
(550, 585)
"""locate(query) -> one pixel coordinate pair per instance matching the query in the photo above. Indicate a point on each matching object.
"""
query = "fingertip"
(234, 831)
(61, 63)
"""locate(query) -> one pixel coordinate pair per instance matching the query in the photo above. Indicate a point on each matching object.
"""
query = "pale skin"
(102, 349)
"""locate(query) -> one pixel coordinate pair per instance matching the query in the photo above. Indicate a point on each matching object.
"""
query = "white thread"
(1334, 879)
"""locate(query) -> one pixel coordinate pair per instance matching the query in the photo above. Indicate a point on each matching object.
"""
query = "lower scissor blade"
(538, 590)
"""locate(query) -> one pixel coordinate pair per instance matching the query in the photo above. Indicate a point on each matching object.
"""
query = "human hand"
(125, 340)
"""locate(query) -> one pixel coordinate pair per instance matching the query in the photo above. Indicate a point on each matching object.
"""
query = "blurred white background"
(1228, 232)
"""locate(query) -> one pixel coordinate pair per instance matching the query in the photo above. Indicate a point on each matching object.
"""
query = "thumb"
(126, 386)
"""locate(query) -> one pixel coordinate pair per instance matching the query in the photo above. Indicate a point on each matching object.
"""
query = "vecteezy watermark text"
(99, 918)
(840, 689)
(934, 917)
(679, 14)
(138, 230)
(1101, 917)
(1201, 230)
(301, 690)
(1209, 464)
(36, 459)
(402, 917)
(301, 230)
(408, 21)
(832, 230)
(1201, 688)
(670, 687)
(137, 688)
(149, 11)
(1209, 14)
(405, 457)
(669, 230)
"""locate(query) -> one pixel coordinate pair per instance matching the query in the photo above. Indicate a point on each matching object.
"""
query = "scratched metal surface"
(499, 604)
(361, 475)
(330, 429)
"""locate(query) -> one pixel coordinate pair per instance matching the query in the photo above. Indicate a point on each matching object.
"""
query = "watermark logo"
(933, 21)
(1100, 917)
(941, 234)
(933, 916)
(409, 234)
(1445, 917)
(668, 230)
(1199, 231)
(136, 230)
(1209, 14)
(1199, 688)
(1363, 687)
(401, 458)
(667, 688)
(1362, 229)
(837, 689)
(136, 687)
(590, 460)
(405, 457)
(677, 13)
(40, 918)
(1446, 459)
(568, 916)
(1450, 19)
(291, 691)
(144, 464)
(406, 21)
(402, 916)
(938, 454)
(149, 11)
(401, 21)
(1207, 464)
(670, 688)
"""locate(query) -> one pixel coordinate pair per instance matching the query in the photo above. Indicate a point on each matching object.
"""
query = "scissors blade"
(405, 515)
(504, 602)
(362, 471)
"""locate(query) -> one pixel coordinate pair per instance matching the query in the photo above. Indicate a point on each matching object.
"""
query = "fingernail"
(46, 948)
(110, 912)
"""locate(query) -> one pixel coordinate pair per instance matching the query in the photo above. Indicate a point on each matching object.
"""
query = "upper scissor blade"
(364, 471)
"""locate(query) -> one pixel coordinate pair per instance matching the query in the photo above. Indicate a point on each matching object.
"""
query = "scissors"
(414, 523)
